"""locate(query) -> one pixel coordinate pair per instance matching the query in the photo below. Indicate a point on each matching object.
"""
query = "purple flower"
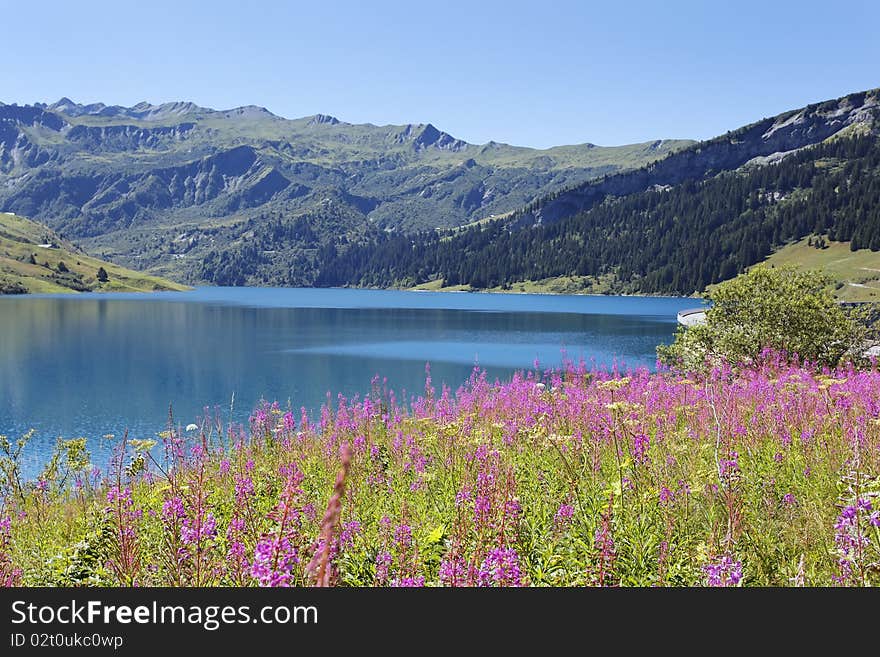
(172, 509)
(236, 526)
(274, 559)
(723, 571)
(244, 488)
(383, 564)
(123, 496)
(463, 496)
(349, 531)
(408, 582)
(789, 499)
(641, 442)
(453, 572)
(666, 495)
(563, 515)
(850, 539)
(729, 467)
(500, 568)
(206, 530)
(848, 513)
(224, 466)
(403, 536)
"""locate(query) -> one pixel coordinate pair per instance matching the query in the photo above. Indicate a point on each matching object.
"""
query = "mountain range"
(243, 196)
(698, 216)
(158, 186)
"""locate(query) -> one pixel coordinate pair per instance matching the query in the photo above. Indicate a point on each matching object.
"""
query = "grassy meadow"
(761, 476)
(30, 262)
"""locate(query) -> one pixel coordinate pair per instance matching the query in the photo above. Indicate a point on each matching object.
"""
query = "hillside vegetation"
(673, 227)
(243, 197)
(35, 259)
(856, 271)
(162, 187)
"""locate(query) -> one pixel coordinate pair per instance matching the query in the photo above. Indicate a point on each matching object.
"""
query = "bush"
(783, 309)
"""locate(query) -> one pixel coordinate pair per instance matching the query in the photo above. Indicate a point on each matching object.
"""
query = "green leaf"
(436, 535)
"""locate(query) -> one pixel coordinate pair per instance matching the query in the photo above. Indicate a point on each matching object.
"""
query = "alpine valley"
(244, 197)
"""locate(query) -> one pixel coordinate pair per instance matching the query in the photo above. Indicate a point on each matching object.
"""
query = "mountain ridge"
(783, 134)
(98, 172)
(238, 197)
(696, 217)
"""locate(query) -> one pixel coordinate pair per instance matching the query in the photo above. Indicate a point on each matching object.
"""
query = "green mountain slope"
(857, 271)
(161, 187)
(34, 258)
(696, 217)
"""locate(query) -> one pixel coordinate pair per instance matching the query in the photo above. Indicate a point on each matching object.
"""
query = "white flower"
(192, 427)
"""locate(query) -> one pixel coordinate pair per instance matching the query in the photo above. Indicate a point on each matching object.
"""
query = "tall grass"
(761, 476)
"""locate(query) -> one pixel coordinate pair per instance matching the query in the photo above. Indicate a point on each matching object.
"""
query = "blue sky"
(527, 73)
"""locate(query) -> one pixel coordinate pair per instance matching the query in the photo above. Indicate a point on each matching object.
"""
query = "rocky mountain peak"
(323, 119)
(142, 111)
(249, 112)
(429, 136)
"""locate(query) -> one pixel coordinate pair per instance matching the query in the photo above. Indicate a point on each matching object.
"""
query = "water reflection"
(91, 365)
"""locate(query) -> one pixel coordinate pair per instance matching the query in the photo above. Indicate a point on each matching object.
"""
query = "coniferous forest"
(667, 240)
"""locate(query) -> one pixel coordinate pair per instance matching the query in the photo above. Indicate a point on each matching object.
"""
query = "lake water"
(96, 364)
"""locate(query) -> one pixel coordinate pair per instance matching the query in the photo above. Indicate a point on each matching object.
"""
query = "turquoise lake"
(96, 364)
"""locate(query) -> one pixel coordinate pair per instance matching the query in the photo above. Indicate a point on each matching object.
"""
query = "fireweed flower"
(244, 488)
(409, 582)
(349, 531)
(850, 540)
(289, 422)
(723, 571)
(500, 568)
(274, 559)
(729, 468)
(234, 531)
(237, 565)
(172, 510)
(641, 443)
(563, 516)
(513, 510)
(403, 536)
(453, 571)
(383, 565)
(194, 532)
